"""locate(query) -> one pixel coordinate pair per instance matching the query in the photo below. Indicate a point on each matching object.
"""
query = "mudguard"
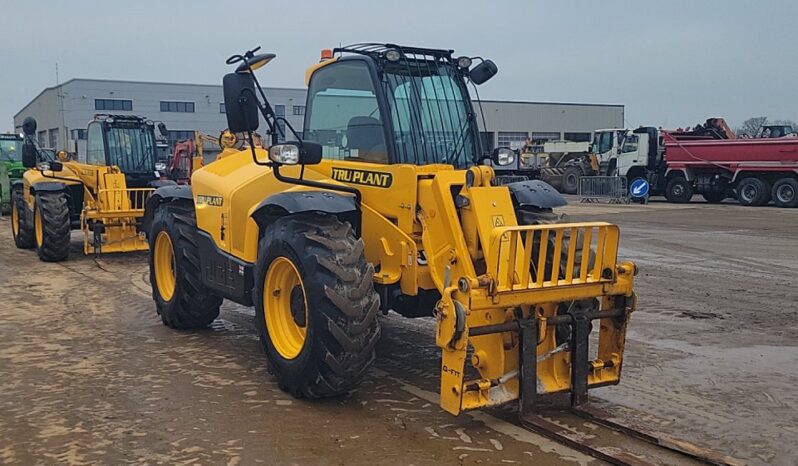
(167, 193)
(297, 202)
(48, 186)
(535, 193)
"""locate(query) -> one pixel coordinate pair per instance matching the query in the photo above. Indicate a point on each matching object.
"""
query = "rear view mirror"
(240, 102)
(29, 126)
(28, 153)
(482, 72)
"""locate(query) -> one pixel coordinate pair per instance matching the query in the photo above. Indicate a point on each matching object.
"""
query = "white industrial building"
(63, 112)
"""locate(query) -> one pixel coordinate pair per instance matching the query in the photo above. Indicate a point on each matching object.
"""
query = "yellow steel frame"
(106, 199)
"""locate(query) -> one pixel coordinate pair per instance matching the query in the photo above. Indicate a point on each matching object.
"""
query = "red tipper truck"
(756, 170)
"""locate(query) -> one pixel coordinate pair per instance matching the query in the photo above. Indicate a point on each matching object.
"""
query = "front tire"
(175, 275)
(51, 226)
(315, 305)
(570, 180)
(679, 190)
(22, 232)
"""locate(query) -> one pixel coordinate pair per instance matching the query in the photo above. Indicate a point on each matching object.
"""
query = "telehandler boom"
(384, 204)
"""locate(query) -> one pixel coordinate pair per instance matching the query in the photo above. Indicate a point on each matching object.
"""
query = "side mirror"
(162, 130)
(296, 153)
(29, 126)
(482, 72)
(503, 156)
(240, 102)
(28, 153)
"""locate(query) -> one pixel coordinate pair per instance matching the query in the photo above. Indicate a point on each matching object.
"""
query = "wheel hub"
(785, 193)
(298, 306)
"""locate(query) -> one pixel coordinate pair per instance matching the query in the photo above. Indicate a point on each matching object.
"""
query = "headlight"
(43, 165)
(285, 154)
(504, 157)
(464, 62)
(393, 55)
(160, 167)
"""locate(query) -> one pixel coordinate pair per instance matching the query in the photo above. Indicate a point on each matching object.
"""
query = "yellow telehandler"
(104, 197)
(383, 203)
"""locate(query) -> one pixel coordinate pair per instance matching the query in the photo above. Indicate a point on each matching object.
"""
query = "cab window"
(343, 115)
(631, 143)
(95, 147)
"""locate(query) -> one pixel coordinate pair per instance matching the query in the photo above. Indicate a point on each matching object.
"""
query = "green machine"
(11, 168)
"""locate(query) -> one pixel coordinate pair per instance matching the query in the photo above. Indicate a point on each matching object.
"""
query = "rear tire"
(679, 190)
(22, 232)
(51, 226)
(753, 191)
(180, 297)
(785, 192)
(570, 180)
(327, 349)
(714, 197)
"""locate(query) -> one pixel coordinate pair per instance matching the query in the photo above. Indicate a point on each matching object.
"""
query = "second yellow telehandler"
(383, 203)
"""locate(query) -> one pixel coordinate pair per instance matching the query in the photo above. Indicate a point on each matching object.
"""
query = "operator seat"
(365, 134)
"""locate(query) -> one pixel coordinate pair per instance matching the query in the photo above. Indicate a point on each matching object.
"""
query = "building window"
(53, 133)
(79, 134)
(279, 110)
(299, 110)
(113, 104)
(513, 140)
(42, 138)
(222, 108)
(577, 137)
(177, 107)
(179, 135)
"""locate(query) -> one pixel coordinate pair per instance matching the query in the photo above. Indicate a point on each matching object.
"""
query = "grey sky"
(672, 63)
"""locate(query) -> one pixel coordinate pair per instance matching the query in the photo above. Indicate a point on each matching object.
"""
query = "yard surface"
(88, 374)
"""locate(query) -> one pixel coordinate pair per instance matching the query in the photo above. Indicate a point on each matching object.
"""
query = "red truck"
(755, 170)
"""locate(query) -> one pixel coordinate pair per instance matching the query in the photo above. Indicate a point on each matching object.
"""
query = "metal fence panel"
(610, 189)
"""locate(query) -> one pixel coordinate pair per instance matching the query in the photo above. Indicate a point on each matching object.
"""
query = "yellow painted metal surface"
(476, 255)
(106, 199)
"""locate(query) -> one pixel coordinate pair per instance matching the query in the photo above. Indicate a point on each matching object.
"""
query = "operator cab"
(127, 142)
(384, 103)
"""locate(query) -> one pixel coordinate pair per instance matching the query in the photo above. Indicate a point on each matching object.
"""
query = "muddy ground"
(88, 374)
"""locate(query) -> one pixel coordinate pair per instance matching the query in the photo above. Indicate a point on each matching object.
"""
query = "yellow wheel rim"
(37, 226)
(164, 264)
(285, 307)
(15, 220)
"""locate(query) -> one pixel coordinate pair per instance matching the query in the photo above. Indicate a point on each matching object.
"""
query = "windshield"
(131, 149)
(429, 110)
(10, 149)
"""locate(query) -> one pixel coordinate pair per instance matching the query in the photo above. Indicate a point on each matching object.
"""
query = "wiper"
(461, 137)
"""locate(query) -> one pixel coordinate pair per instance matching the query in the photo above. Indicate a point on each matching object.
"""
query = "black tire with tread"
(679, 190)
(23, 239)
(758, 188)
(192, 305)
(782, 184)
(570, 180)
(53, 207)
(342, 327)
